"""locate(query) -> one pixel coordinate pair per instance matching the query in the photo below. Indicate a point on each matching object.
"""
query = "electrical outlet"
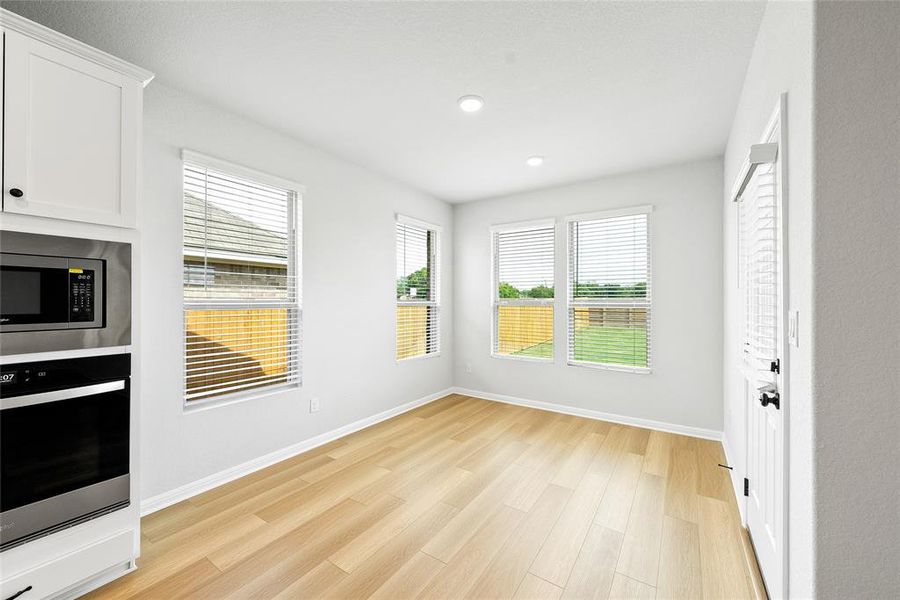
(468, 367)
(314, 405)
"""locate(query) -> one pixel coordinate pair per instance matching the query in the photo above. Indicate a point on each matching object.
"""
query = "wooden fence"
(228, 347)
(618, 316)
(412, 331)
(521, 327)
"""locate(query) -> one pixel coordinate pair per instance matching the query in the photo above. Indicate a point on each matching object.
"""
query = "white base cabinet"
(56, 578)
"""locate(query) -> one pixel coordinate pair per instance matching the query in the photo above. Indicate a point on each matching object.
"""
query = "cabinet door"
(71, 136)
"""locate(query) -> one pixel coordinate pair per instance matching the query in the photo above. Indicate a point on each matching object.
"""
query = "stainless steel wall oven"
(64, 443)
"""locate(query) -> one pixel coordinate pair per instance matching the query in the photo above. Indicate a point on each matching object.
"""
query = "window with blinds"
(418, 289)
(609, 290)
(758, 235)
(241, 280)
(523, 293)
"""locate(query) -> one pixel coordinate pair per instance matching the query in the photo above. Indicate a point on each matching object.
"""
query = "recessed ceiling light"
(534, 161)
(471, 103)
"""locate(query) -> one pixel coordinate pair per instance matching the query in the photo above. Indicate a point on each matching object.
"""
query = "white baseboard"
(209, 482)
(698, 432)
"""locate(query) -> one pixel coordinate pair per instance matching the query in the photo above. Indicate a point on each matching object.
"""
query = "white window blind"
(759, 266)
(523, 294)
(241, 281)
(418, 289)
(609, 290)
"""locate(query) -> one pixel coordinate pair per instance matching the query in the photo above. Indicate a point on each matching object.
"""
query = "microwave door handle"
(65, 394)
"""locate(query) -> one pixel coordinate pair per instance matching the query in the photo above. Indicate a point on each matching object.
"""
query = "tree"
(419, 280)
(509, 291)
(540, 291)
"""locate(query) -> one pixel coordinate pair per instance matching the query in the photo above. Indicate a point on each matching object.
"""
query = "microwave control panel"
(81, 295)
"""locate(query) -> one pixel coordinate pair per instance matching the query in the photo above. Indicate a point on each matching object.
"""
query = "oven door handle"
(57, 395)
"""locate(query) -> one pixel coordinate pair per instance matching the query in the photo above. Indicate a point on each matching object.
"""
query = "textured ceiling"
(597, 88)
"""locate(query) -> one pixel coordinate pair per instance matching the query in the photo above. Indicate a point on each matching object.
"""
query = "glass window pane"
(614, 336)
(525, 331)
(241, 283)
(609, 291)
(417, 282)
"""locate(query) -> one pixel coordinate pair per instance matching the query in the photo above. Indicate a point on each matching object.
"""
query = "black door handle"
(16, 193)
(773, 398)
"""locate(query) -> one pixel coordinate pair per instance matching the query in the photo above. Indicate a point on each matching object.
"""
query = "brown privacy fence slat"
(520, 328)
(412, 331)
(254, 346)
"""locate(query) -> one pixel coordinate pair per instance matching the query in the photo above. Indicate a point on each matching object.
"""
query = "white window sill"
(400, 361)
(533, 359)
(608, 367)
(238, 397)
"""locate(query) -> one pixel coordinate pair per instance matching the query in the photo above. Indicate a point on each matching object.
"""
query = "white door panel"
(762, 361)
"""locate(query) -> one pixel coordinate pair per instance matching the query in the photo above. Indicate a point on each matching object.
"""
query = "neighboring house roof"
(230, 233)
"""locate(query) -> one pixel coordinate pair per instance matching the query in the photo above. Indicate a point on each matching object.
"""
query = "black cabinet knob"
(16, 193)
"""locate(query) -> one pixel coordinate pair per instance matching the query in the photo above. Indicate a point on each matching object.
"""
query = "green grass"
(543, 350)
(609, 345)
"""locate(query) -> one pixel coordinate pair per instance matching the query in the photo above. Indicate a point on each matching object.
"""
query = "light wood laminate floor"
(460, 498)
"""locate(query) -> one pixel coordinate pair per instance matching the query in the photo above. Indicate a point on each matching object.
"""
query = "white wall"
(348, 296)
(856, 370)
(686, 239)
(781, 62)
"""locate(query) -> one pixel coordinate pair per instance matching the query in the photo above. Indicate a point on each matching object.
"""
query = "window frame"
(434, 274)
(294, 269)
(496, 301)
(571, 303)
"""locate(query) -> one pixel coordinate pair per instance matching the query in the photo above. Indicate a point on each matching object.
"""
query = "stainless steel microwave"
(61, 293)
(50, 292)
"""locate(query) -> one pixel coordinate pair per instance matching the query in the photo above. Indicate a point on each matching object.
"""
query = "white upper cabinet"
(72, 128)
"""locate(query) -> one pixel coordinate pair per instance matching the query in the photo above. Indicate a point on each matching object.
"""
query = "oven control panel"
(35, 377)
(81, 294)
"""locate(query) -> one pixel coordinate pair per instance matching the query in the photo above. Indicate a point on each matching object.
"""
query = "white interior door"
(763, 363)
